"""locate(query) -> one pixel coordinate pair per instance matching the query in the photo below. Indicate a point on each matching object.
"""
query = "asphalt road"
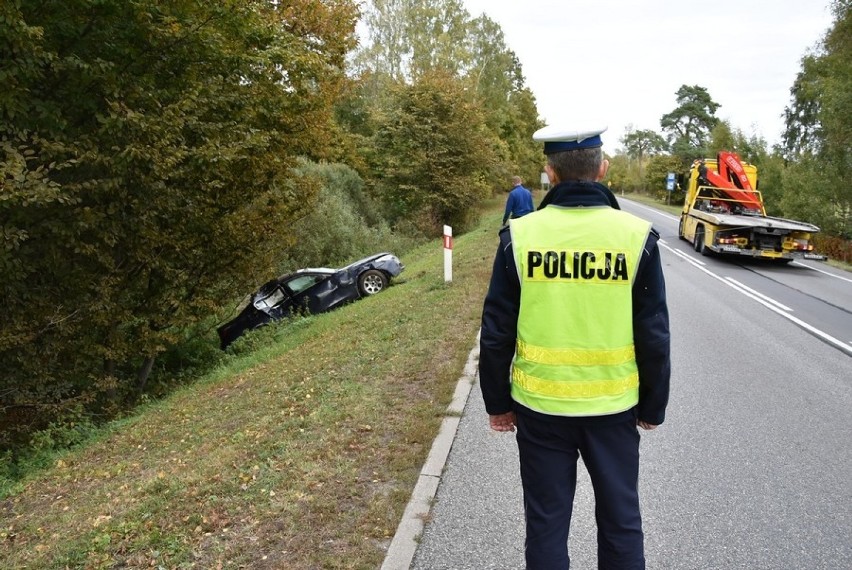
(753, 466)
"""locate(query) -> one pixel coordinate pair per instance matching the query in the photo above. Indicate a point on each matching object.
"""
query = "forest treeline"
(160, 160)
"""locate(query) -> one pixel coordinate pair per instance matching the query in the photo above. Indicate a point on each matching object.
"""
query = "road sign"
(670, 181)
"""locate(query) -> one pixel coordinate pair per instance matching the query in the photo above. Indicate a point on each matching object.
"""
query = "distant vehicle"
(724, 213)
(315, 290)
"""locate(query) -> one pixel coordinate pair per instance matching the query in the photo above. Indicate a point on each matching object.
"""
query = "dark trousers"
(548, 453)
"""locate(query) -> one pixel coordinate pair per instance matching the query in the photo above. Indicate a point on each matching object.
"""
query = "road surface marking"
(761, 295)
(660, 212)
(821, 271)
(810, 328)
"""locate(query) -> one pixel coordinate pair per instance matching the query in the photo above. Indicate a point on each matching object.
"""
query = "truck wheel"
(698, 240)
(680, 229)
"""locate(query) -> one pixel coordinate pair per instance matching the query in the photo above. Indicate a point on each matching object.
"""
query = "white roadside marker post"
(448, 254)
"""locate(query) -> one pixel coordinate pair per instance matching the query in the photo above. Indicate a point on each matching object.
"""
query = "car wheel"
(371, 282)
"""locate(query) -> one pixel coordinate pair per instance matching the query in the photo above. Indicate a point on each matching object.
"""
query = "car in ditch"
(312, 291)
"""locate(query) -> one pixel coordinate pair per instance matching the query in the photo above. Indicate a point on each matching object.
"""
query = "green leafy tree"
(344, 224)
(723, 137)
(522, 121)
(433, 153)
(387, 50)
(145, 156)
(406, 39)
(621, 174)
(689, 124)
(770, 182)
(640, 144)
(492, 68)
(656, 173)
(495, 78)
(437, 32)
(818, 134)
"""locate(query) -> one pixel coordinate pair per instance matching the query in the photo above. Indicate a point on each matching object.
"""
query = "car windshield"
(270, 300)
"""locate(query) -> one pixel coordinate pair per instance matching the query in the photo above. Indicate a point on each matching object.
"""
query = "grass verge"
(300, 454)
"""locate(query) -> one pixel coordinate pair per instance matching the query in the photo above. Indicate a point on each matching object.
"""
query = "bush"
(344, 224)
(75, 428)
(834, 247)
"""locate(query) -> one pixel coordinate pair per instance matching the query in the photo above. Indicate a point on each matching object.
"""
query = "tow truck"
(724, 213)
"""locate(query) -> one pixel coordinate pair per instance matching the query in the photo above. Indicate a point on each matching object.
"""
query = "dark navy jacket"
(650, 322)
(519, 203)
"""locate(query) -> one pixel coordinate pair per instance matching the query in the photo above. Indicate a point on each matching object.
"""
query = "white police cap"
(558, 138)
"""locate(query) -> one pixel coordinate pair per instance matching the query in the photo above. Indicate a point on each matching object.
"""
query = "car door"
(309, 291)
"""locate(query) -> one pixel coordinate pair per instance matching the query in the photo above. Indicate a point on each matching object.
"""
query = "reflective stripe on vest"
(575, 354)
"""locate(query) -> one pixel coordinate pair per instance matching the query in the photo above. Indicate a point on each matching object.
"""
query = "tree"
(690, 123)
(387, 51)
(437, 33)
(622, 175)
(642, 143)
(818, 134)
(723, 137)
(496, 79)
(639, 146)
(655, 176)
(407, 38)
(521, 121)
(146, 152)
(433, 152)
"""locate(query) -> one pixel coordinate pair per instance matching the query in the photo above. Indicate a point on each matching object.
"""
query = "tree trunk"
(143, 374)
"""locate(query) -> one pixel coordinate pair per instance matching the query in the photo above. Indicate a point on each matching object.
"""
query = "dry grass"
(302, 455)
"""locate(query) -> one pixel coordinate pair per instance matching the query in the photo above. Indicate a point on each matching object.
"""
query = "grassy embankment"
(300, 455)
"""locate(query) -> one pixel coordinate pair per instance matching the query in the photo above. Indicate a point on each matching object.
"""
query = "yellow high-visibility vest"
(575, 354)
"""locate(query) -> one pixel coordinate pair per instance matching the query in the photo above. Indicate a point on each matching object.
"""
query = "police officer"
(574, 352)
(520, 201)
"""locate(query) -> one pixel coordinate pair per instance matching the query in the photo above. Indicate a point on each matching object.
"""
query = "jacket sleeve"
(499, 330)
(510, 206)
(651, 334)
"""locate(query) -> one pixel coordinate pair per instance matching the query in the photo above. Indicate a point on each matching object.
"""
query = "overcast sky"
(620, 62)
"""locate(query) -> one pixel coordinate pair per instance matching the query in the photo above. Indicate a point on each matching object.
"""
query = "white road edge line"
(822, 271)
(660, 212)
(696, 262)
(759, 294)
(811, 329)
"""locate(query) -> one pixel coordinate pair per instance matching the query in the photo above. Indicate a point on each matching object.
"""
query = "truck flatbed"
(738, 220)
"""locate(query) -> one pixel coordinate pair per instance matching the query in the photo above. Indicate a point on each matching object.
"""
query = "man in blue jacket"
(520, 201)
(574, 352)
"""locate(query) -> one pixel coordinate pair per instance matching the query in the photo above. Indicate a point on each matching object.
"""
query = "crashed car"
(315, 290)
